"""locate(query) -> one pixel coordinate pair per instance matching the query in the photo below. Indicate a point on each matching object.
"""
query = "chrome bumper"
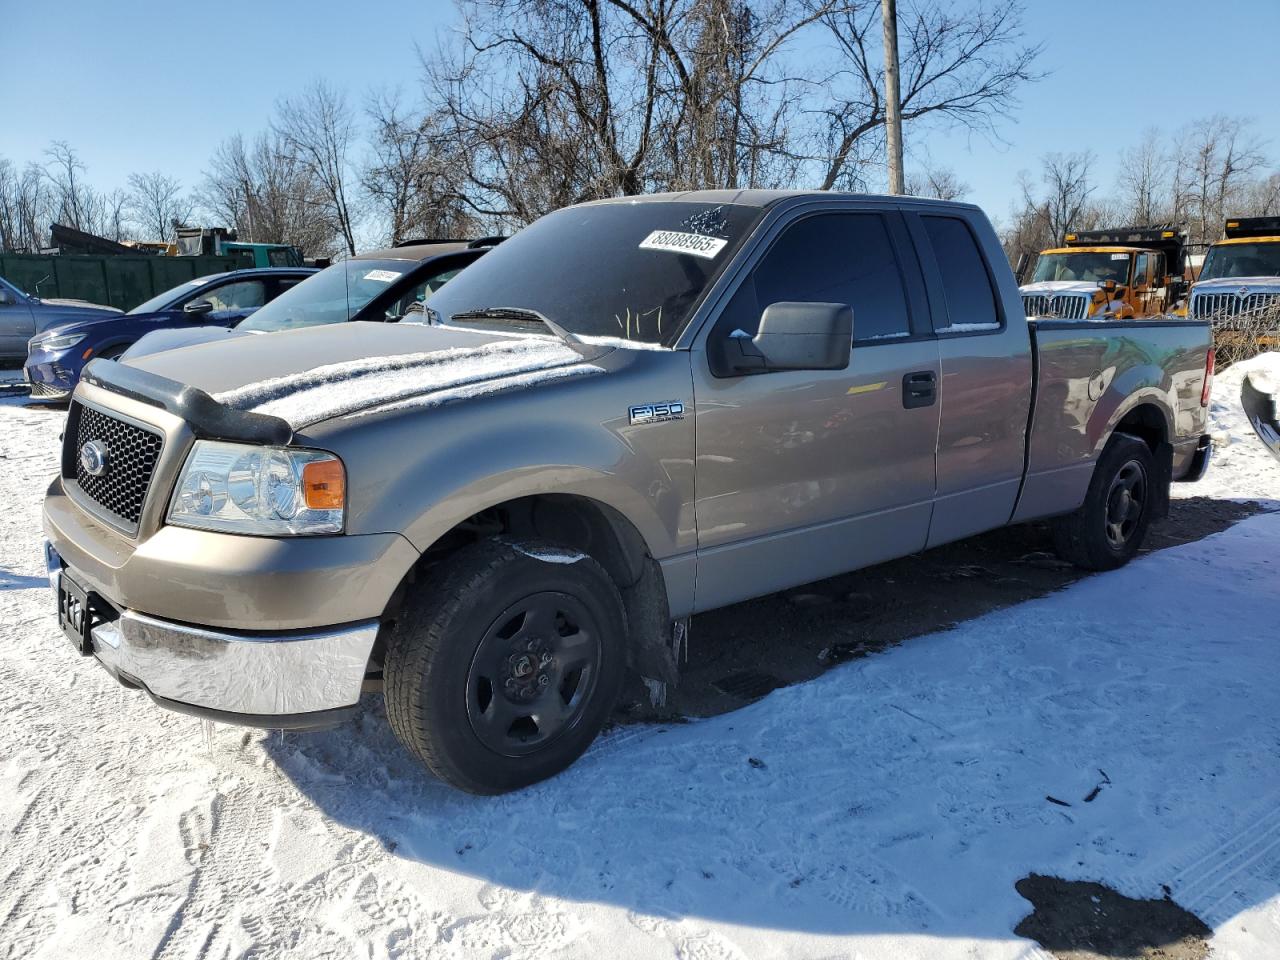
(250, 679)
(299, 679)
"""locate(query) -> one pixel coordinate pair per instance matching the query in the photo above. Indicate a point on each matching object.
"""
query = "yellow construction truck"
(1120, 274)
(1241, 272)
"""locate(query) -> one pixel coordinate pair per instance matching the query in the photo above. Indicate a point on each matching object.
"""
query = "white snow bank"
(339, 388)
(1241, 468)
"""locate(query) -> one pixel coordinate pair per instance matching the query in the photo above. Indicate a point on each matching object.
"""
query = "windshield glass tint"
(162, 300)
(1093, 267)
(333, 295)
(631, 270)
(1242, 260)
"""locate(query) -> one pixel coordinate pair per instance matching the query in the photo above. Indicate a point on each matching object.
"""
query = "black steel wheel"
(501, 668)
(533, 673)
(1108, 529)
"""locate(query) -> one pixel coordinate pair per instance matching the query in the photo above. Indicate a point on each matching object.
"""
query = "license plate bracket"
(74, 613)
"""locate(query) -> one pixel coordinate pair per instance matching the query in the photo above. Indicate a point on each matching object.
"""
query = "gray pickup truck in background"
(631, 411)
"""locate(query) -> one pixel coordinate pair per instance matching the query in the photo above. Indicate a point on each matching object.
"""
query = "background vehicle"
(56, 356)
(1117, 274)
(220, 242)
(397, 278)
(23, 316)
(498, 511)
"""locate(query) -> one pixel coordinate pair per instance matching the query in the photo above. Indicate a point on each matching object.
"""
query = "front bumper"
(48, 376)
(299, 679)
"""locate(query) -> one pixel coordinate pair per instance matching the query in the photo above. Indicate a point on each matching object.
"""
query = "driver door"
(801, 475)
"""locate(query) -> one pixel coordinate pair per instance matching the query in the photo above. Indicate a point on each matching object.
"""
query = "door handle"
(919, 389)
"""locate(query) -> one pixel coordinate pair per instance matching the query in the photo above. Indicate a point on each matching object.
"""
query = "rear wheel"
(1108, 529)
(502, 671)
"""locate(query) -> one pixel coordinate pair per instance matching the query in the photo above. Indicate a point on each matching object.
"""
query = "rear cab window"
(971, 305)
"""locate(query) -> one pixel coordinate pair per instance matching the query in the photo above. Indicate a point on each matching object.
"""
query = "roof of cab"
(1096, 250)
(764, 198)
(1232, 241)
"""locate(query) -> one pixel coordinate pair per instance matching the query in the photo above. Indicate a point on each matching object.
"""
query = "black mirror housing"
(198, 308)
(796, 336)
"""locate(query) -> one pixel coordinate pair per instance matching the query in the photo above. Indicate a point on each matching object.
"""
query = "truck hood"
(1238, 284)
(306, 376)
(1052, 287)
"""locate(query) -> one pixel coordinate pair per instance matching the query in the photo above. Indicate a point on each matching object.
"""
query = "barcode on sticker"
(382, 276)
(1119, 256)
(673, 241)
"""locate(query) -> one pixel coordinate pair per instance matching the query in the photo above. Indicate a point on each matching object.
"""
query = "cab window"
(966, 284)
(1140, 269)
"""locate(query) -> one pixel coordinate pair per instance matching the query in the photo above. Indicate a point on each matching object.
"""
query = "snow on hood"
(1061, 286)
(334, 389)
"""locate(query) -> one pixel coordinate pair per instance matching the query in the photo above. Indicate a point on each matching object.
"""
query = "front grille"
(132, 453)
(43, 390)
(1061, 307)
(1220, 305)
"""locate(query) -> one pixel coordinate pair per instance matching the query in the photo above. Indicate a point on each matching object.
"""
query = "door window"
(410, 306)
(971, 301)
(1140, 270)
(241, 295)
(830, 258)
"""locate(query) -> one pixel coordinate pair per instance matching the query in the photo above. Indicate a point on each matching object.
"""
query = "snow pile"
(1242, 468)
(340, 388)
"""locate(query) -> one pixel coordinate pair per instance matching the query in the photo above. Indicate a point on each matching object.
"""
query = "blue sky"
(148, 85)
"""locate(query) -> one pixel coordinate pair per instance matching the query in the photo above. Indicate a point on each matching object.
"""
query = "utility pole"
(893, 103)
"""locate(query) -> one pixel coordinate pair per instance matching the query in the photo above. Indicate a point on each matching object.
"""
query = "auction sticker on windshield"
(382, 276)
(675, 242)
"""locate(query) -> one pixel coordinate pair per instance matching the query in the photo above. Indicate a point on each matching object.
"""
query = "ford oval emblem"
(93, 458)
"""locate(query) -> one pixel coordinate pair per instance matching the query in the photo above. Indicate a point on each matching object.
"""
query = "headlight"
(57, 343)
(266, 491)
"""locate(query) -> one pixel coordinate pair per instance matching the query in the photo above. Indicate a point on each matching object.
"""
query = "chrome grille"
(1231, 304)
(132, 452)
(1066, 306)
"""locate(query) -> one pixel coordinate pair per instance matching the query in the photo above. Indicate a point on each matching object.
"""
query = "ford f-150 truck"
(631, 411)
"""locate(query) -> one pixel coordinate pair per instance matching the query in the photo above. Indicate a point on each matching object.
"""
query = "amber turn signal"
(324, 485)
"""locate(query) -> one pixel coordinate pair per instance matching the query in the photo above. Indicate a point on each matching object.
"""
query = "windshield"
(1091, 267)
(1242, 260)
(630, 270)
(162, 300)
(333, 295)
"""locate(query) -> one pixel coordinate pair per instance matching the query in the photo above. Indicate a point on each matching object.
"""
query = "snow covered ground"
(883, 810)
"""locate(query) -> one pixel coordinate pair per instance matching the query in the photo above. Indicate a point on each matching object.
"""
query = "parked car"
(23, 316)
(56, 356)
(386, 285)
(631, 411)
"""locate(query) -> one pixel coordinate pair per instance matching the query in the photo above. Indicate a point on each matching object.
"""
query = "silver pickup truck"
(631, 411)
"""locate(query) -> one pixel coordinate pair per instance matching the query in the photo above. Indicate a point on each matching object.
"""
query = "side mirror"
(1109, 286)
(795, 336)
(198, 308)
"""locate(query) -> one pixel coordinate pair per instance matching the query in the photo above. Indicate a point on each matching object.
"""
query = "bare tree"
(1146, 173)
(959, 67)
(24, 207)
(1219, 158)
(266, 195)
(157, 206)
(1060, 202)
(316, 129)
(411, 176)
(938, 183)
(74, 200)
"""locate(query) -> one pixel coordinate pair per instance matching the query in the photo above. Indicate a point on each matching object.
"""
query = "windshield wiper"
(528, 314)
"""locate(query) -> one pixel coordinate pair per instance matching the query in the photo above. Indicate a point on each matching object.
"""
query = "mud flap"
(1260, 407)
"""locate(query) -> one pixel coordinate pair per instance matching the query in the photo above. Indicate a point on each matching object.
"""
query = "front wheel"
(501, 671)
(1108, 529)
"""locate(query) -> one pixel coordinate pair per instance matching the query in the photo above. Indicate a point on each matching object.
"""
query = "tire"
(1108, 529)
(468, 653)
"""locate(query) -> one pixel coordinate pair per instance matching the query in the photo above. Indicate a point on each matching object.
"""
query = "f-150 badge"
(657, 412)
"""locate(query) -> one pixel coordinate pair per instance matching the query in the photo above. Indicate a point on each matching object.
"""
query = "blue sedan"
(56, 356)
